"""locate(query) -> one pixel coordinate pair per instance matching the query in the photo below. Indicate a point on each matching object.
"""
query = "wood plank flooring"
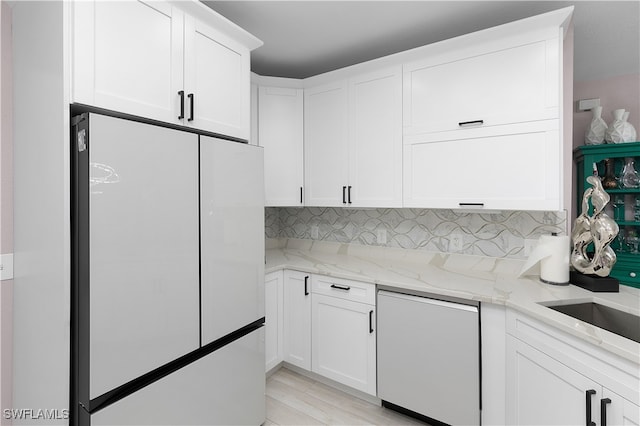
(293, 399)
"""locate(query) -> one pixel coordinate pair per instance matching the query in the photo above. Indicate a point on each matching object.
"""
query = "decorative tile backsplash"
(500, 234)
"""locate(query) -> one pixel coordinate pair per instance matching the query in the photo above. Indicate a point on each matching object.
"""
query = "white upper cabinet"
(156, 61)
(325, 145)
(517, 170)
(353, 141)
(281, 133)
(513, 85)
(127, 57)
(375, 139)
(217, 81)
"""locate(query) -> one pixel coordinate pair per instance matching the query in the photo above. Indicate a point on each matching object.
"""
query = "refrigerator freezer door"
(232, 236)
(143, 250)
(224, 388)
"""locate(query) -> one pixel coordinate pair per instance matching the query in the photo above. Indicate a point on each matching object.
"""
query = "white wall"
(6, 209)
(41, 314)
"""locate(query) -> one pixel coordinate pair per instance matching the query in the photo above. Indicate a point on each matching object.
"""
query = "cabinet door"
(280, 131)
(297, 319)
(325, 149)
(375, 139)
(519, 170)
(344, 342)
(543, 391)
(620, 411)
(217, 81)
(273, 299)
(127, 57)
(513, 85)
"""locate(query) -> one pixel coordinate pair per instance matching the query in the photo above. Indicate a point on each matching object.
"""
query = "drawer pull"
(471, 204)
(470, 123)
(340, 287)
(632, 274)
(589, 394)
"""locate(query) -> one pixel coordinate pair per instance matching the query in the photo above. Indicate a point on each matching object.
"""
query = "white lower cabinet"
(297, 319)
(344, 342)
(274, 319)
(554, 379)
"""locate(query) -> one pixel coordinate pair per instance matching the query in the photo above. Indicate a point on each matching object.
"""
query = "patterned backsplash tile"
(499, 234)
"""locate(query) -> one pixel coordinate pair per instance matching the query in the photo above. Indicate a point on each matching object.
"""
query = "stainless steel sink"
(613, 320)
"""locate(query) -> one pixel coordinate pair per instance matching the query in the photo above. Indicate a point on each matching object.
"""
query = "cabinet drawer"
(344, 289)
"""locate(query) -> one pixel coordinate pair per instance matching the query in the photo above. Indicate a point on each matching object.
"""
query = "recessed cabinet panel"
(516, 171)
(344, 342)
(297, 319)
(281, 133)
(326, 152)
(217, 75)
(542, 391)
(112, 57)
(513, 85)
(375, 139)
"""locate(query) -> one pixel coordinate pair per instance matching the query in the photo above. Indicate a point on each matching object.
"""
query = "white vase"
(614, 133)
(629, 132)
(595, 132)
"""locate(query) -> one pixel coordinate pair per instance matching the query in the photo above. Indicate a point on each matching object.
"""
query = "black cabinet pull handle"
(306, 285)
(471, 204)
(344, 196)
(181, 94)
(371, 321)
(470, 123)
(340, 287)
(349, 194)
(589, 394)
(300, 195)
(603, 411)
(190, 96)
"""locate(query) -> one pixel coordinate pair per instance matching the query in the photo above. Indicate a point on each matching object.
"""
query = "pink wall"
(6, 208)
(614, 93)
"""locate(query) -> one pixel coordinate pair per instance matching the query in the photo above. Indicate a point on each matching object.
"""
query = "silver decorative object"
(598, 229)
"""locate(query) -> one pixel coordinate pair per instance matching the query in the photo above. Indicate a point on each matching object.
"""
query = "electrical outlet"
(455, 242)
(314, 232)
(529, 245)
(381, 236)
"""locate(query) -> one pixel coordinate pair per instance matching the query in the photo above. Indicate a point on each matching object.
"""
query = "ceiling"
(305, 38)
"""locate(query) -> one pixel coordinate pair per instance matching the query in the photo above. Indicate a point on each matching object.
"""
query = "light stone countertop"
(484, 279)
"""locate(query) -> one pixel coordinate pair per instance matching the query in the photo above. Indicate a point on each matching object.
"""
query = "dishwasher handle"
(429, 301)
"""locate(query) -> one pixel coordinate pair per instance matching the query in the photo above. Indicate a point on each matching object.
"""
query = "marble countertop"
(484, 279)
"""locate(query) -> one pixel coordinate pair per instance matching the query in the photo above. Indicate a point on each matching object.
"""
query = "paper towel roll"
(551, 254)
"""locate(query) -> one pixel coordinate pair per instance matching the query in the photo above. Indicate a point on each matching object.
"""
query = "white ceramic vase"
(620, 130)
(595, 132)
(629, 133)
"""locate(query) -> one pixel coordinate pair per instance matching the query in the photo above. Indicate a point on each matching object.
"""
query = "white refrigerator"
(167, 276)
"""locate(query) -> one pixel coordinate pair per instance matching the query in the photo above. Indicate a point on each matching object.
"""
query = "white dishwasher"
(429, 357)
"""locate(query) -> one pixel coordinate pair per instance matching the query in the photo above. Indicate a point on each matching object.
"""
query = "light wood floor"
(293, 399)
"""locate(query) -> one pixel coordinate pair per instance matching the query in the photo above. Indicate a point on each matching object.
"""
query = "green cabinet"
(624, 206)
